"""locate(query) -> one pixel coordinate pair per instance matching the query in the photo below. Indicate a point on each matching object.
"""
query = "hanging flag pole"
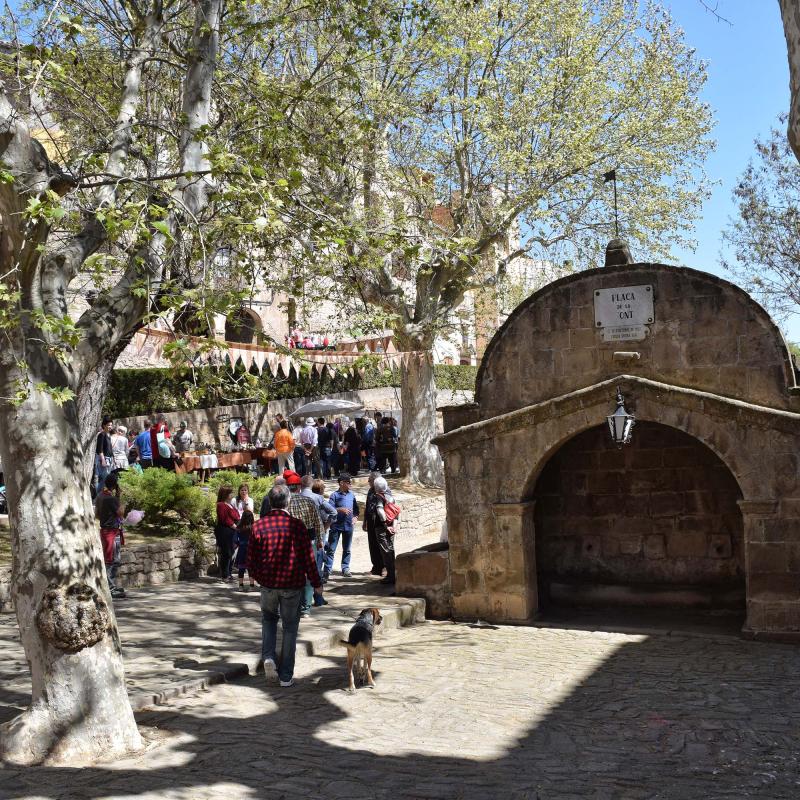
(611, 175)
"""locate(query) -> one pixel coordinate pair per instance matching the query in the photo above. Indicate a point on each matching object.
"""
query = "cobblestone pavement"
(476, 712)
(179, 634)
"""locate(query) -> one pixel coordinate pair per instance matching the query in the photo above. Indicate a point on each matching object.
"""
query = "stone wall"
(147, 564)
(657, 515)
(707, 334)
(425, 572)
(163, 561)
(5, 589)
(422, 515)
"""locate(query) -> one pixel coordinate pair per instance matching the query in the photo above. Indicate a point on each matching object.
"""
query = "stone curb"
(408, 612)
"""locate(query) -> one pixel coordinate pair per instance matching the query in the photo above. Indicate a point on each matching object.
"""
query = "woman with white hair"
(120, 447)
(384, 529)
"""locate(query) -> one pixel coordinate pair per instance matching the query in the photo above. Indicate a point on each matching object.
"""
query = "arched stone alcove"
(710, 381)
(652, 524)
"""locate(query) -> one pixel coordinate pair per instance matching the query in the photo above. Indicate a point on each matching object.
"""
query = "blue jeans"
(325, 454)
(101, 473)
(288, 601)
(299, 460)
(308, 592)
(330, 549)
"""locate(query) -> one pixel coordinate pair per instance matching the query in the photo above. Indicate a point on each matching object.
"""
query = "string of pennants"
(149, 344)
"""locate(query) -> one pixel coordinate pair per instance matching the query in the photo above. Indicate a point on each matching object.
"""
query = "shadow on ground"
(660, 717)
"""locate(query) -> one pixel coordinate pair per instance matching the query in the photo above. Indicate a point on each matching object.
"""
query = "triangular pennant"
(259, 357)
(247, 359)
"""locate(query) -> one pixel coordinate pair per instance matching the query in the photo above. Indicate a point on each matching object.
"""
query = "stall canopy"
(325, 408)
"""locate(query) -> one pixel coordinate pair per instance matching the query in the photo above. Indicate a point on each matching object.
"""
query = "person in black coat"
(353, 443)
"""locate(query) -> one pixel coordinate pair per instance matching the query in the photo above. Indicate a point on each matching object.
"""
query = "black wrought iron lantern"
(620, 423)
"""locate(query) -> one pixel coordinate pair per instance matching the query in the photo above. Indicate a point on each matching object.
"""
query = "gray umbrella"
(325, 408)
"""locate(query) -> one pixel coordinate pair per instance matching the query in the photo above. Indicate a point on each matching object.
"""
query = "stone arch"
(712, 424)
(243, 326)
(190, 321)
(656, 523)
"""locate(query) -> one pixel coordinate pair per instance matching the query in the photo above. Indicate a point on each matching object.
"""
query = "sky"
(747, 88)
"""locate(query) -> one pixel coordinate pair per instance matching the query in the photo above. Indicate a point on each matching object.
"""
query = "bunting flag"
(387, 343)
(259, 357)
(272, 364)
(247, 359)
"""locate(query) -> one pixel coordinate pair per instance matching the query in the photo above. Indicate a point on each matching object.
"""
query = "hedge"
(140, 391)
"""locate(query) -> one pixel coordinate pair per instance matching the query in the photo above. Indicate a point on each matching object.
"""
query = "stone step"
(323, 631)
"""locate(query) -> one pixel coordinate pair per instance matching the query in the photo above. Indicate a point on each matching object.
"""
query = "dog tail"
(345, 642)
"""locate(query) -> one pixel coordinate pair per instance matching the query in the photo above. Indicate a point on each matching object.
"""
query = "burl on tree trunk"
(79, 704)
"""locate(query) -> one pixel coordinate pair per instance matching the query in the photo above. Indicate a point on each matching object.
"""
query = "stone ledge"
(399, 615)
(426, 573)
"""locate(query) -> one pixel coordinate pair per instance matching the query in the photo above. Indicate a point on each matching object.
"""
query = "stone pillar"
(510, 578)
(773, 581)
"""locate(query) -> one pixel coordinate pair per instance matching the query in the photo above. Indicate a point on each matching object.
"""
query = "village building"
(701, 509)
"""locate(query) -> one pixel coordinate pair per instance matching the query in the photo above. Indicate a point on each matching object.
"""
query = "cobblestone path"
(477, 712)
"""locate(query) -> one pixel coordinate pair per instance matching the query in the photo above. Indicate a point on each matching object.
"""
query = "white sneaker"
(288, 683)
(270, 672)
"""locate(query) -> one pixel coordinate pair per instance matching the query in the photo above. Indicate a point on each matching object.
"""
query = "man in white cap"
(309, 440)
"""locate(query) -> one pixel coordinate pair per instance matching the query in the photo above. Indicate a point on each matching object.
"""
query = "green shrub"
(455, 377)
(169, 501)
(258, 486)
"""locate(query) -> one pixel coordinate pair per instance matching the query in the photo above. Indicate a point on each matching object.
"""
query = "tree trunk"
(92, 394)
(79, 709)
(790, 12)
(419, 459)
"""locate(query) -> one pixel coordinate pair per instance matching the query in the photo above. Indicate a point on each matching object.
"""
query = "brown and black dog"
(359, 645)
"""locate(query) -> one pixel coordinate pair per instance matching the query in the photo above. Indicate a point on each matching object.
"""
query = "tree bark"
(79, 706)
(80, 709)
(419, 459)
(790, 12)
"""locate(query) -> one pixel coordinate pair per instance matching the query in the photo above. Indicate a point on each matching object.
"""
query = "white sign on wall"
(627, 333)
(629, 307)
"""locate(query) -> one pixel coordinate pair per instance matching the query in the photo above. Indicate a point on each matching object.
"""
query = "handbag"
(392, 511)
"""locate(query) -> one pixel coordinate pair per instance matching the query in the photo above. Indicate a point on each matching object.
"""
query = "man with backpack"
(386, 442)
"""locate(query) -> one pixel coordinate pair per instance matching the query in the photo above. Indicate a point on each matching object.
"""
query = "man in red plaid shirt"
(280, 558)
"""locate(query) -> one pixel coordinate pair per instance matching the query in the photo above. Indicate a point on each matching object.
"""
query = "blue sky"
(748, 87)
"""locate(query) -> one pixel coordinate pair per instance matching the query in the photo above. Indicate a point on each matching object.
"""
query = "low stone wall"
(147, 564)
(426, 573)
(163, 561)
(422, 515)
(5, 589)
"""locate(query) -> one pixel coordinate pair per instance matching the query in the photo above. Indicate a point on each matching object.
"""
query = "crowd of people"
(319, 447)
(309, 341)
(326, 448)
(290, 549)
(117, 448)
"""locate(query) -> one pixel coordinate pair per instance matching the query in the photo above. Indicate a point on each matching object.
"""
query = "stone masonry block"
(768, 558)
(591, 546)
(720, 546)
(687, 544)
(654, 547)
(666, 504)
